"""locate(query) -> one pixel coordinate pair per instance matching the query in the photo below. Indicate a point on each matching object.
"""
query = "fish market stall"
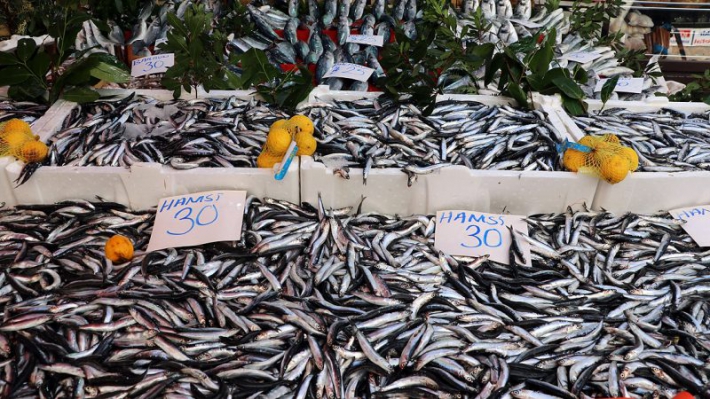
(367, 310)
(129, 149)
(419, 169)
(671, 140)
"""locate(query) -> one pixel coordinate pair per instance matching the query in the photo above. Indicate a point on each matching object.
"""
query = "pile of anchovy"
(27, 111)
(380, 134)
(314, 303)
(183, 134)
(666, 141)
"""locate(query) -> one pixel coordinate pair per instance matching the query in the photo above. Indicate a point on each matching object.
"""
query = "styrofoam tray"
(454, 187)
(646, 192)
(143, 184)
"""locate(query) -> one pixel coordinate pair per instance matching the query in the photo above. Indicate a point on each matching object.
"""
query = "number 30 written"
(185, 214)
(492, 238)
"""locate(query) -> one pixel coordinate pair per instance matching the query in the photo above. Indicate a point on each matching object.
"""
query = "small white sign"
(476, 234)
(350, 71)
(701, 37)
(369, 40)
(199, 218)
(153, 64)
(583, 57)
(624, 85)
(525, 23)
(686, 37)
(697, 223)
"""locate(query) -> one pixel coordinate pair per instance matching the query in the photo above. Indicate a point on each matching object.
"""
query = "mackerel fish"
(316, 302)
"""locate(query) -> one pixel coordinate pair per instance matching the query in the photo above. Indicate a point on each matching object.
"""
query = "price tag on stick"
(468, 233)
(200, 218)
(153, 64)
(624, 85)
(368, 40)
(350, 71)
(697, 223)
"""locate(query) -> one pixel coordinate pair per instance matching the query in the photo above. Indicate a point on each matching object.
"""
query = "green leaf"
(493, 67)
(8, 59)
(177, 25)
(25, 49)
(569, 87)
(110, 73)
(580, 75)
(608, 88)
(27, 92)
(81, 95)
(518, 94)
(540, 61)
(14, 75)
(574, 107)
(39, 64)
(536, 82)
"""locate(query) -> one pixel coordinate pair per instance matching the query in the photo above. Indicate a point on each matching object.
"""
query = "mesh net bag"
(601, 156)
(17, 140)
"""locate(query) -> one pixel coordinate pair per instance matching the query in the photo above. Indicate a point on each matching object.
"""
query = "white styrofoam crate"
(453, 187)
(143, 184)
(646, 192)
(7, 195)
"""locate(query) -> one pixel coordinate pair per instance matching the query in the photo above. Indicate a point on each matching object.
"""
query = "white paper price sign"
(199, 218)
(525, 23)
(350, 71)
(153, 64)
(624, 85)
(476, 234)
(697, 223)
(583, 56)
(369, 40)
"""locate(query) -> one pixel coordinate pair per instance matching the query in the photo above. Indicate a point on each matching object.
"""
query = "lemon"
(279, 124)
(573, 160)
(32, 151)
(277, 141)
(300, 123)
(631, 157)
(587, 140)
(614, 169)
(119, 249)
(14, 138)
(306, 144)
(267, 160)
(611, 138)
(17, 125)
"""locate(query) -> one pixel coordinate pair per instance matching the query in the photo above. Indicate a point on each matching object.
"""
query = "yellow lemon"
(17, 125)
(277, 141)
(32, 151)
(267, 160)
(119, 249)
(279, 124)
(611, 138)
(300, 123)
(631, 157)
(614, 169)
(573, 160)
(587, 140)
(306, 144)
(14, 138)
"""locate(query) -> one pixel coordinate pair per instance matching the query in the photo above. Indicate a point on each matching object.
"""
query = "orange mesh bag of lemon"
(17, 140)
(281, 133)
(601, 156)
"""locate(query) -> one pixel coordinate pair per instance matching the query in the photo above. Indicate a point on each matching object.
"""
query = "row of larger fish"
(314, 303)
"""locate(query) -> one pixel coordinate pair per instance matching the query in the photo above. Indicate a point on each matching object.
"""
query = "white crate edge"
(647, 192)
(386, 190)
(143, 184)
(7, 194)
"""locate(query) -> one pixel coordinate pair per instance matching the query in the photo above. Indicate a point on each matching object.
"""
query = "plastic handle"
(286, 163)
(575, 146)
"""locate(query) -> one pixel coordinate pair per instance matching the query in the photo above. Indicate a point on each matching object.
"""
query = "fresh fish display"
(666, 141)
(316, 302)
(183, 134)
(372, 134)
(27, 111)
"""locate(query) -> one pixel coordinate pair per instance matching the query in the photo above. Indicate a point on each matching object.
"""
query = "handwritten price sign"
(350, 71)
(697, 223)
(624, 85)
(476, 234)
(199, 218)
(368, 40)
(153, 64)
(583, 56)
